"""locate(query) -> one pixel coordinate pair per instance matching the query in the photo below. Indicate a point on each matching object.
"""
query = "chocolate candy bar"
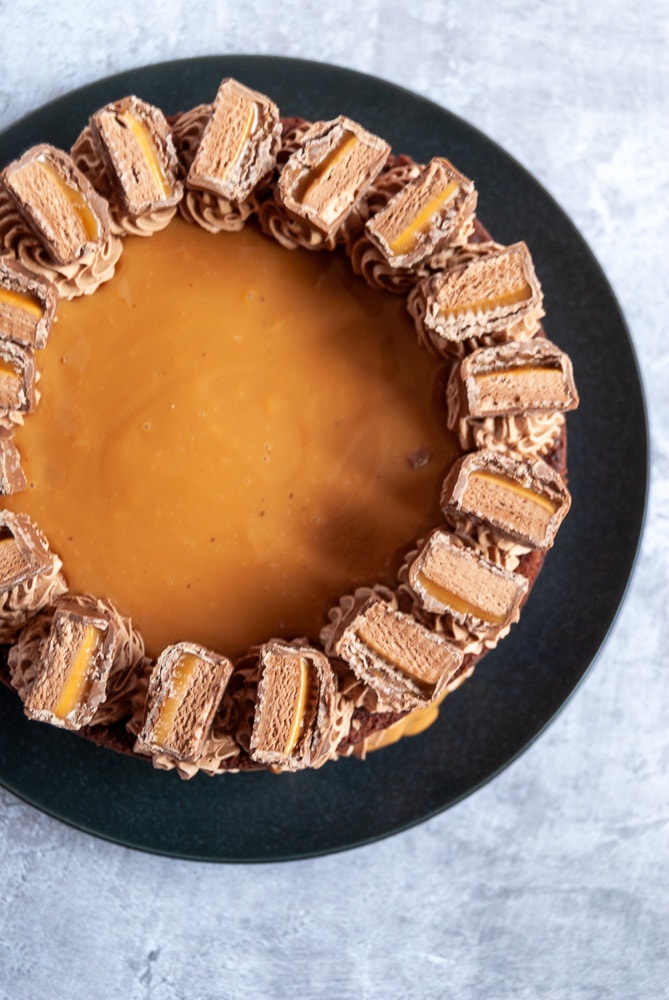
(136, 147)
(27, 305)
(77, 659)
(24, 552)
(406, 664)
(58, 203)
(428, 212)
(295, 707)
(448, 577)
(12, 478)
(494, 294)
(17, 379)
(330, 171)
(185, 690)
(530, 377)
(524, 500)
(239, 144)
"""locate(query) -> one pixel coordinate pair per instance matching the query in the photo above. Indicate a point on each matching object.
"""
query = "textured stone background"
(551, 882)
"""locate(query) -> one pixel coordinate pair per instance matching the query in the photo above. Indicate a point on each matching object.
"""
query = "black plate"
(519, 688)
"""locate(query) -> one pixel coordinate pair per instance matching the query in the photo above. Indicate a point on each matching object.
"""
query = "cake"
(221, 183)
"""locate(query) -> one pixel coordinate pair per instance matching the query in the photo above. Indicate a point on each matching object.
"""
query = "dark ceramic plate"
(519, 688)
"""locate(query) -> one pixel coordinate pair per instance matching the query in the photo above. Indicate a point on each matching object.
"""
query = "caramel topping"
(406, 240)
(456, 602)
(180, 678)
(76, 682)
(300, 706)
(75, 198)
(511, 298)
(223, 345)
(21, 300)
(142, 137)
(417, 721)
(522, 491)
(321, 175)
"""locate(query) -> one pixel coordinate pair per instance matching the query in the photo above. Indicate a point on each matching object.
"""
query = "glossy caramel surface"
(230, 435)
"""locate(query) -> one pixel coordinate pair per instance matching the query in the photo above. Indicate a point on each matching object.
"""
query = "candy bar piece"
(58, 203)
(136, 146)
(525, 501)
(185, 690)
(12, 478)
(451, 578)
(296, 698)
(239, 144)
(30, 573)
(24, 553)
(530, 377)
(77, 658)
(330, 171)
(485, 296)
(405, 663)
(17, 378)
(27, 305)
(425, 214)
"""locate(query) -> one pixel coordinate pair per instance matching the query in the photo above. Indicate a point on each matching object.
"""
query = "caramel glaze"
(230, 436)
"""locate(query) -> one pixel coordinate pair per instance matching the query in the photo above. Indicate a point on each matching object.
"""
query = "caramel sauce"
(225, 436)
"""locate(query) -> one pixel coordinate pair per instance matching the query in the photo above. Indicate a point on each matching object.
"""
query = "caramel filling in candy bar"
(142, 137)
(458, 580)
(185, 690)
(181, 677)
(297, 724)
(27, 305)
(288, 695)
(490, 290)
(21, 302)
(239, 144)
(325, 177)
(72, 206)
(233, 141)
(509, 505)
(9, 370)
(456, 602)
(510, 298)
(498, 486)
(405, 647)
(406, 239)
(77, 680)
(519, 386)
(319, 187)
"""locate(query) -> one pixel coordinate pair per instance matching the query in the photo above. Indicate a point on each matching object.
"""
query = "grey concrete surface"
(551, 882)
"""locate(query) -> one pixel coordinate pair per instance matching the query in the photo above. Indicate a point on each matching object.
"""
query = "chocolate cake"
(387, 650)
